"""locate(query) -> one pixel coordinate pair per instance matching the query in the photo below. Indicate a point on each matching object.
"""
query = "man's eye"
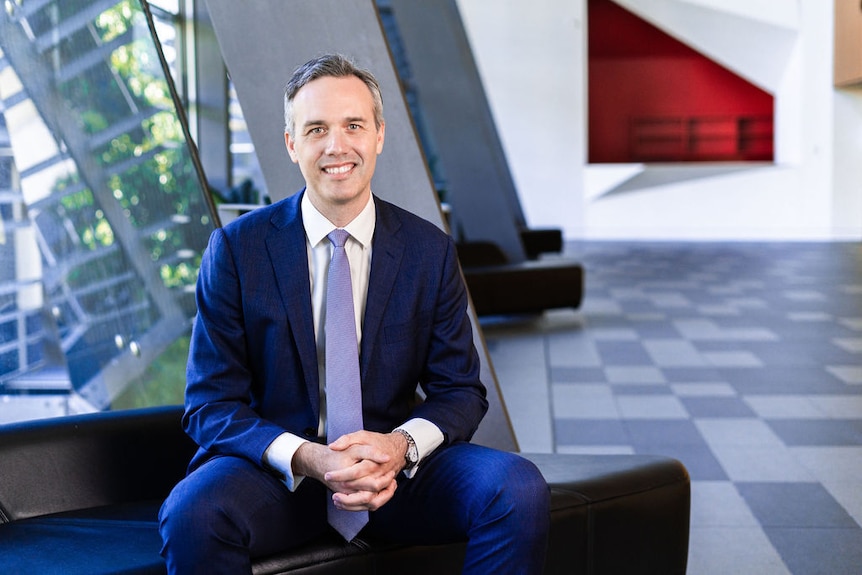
(353, 126)
(317, 130)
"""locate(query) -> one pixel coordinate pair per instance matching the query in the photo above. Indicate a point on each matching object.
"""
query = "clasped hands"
(359, 468)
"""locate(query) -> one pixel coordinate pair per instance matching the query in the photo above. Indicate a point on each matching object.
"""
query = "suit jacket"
(253, 372)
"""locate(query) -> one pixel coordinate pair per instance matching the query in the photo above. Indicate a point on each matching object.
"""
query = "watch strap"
(411, 457)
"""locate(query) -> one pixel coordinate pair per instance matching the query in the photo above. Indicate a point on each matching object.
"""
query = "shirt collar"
(317, 227)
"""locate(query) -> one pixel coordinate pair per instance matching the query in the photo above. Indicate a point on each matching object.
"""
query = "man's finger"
(364, 500)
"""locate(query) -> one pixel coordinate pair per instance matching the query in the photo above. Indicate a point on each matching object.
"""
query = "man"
(270, 473)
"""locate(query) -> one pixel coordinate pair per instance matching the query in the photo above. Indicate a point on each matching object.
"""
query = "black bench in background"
(80, 495)
(499, 286)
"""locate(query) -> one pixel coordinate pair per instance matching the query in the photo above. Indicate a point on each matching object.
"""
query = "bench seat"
(81, 495)
(499, 286)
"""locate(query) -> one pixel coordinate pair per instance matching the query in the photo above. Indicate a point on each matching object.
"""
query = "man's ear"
(381, 133)
(289, 143)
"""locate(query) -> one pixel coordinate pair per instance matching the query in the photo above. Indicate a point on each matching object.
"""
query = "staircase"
(111, 195)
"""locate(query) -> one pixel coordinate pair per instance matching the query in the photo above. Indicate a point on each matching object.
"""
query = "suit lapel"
(388, 251)
(286, 245)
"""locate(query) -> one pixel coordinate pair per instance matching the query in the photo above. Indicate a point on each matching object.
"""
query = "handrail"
(701, 138)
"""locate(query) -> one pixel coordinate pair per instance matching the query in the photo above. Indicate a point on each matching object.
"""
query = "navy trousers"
(229, 511)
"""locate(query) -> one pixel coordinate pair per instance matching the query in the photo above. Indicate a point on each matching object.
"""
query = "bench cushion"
(111, 539)
(499, 286)
(600, 505)
(525, 287)
(81, 495)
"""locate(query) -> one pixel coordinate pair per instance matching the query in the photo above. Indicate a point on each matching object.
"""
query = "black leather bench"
(81, 495)
(499, 286)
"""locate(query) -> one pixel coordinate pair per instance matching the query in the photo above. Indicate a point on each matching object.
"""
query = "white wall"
(532, 59)
(530, 56)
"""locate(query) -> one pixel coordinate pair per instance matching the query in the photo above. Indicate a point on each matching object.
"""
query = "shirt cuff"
(279, 456)
(427, 436)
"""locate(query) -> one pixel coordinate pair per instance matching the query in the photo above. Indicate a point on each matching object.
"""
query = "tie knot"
(338, 237)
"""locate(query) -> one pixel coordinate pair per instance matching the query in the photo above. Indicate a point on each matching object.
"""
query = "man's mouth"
(337, 170)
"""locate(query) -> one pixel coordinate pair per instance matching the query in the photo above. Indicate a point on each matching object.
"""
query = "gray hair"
(330, 65)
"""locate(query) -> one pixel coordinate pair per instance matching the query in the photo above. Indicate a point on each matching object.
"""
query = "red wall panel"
(652, 98)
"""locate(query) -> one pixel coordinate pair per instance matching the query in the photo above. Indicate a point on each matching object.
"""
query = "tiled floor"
(742, 360)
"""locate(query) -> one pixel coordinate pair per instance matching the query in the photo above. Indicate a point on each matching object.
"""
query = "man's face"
(335, 142)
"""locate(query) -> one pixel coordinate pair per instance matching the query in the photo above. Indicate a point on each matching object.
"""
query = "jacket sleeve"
(454, 395)
(219, 414)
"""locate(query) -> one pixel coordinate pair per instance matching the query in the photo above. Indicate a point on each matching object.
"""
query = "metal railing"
(701, 138)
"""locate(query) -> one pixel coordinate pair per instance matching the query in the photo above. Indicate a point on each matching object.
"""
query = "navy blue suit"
(253, 374)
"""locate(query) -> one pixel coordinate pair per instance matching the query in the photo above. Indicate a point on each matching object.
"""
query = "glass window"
(104, 217)
(247, 183)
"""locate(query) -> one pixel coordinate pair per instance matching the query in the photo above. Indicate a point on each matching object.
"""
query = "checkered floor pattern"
(742, 360)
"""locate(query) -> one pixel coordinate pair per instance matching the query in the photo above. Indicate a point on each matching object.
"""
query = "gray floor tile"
(831, 463)
(698, 459)
(742, 360)
(808, 432)
(653, 328)
(703, 390)
(784, 406)
(783, 380)
(587, 401)
(623, 389)
(838, 406)
(757, 463)
(577, 374)
(613, 333)
(719, 504)
(573, 350)
(590, 432)
(712, 407)
(622, 353)
(732, 359)
(692, 374)
(852, 323)
(596, 449)
(663, 432)
(743, 432)
(674, 353)
(850, 374)
(846, 493)
(814, 551)
(726, 550)
(643, 374)
(651, 407)
(710, 330)
(853, 345)
(794, 505)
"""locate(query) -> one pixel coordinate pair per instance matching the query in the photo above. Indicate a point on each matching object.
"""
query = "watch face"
(412, 455)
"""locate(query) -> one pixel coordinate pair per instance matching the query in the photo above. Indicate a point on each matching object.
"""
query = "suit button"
(310, 432)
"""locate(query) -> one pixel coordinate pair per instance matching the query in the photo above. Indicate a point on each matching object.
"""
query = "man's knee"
(212, 502)
(188, 517)
(515, 488)
(184, 509)
(231, 503)
(527, 489)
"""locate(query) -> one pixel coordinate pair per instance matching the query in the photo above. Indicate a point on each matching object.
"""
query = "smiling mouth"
(338, 170)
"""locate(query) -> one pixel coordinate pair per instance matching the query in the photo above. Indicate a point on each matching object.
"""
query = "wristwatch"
(411, 458)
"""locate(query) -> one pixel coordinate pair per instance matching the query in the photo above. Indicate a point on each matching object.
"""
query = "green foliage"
(163, 383)
(115, 21)
(157, 184)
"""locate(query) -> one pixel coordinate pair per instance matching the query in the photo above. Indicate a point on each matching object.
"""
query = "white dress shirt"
(280, 452)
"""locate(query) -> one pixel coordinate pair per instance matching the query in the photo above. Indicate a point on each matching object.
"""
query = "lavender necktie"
(343, 391)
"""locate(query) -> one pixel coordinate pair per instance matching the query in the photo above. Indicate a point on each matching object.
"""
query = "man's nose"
(336, 142)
